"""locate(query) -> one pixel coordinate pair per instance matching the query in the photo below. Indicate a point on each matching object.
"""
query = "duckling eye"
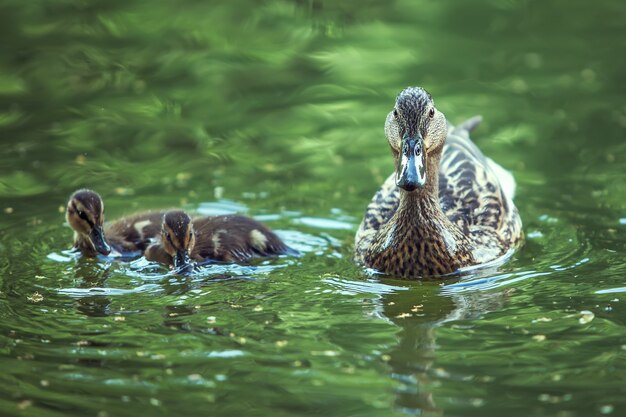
(82, 215)
(395, 113)
(431, 112)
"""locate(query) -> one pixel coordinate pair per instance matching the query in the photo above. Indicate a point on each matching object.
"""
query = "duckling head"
(85, 214)
(416, 132)
(178, 239)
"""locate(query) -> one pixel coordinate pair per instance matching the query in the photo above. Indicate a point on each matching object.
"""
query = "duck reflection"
(419, 312)
(92, 276)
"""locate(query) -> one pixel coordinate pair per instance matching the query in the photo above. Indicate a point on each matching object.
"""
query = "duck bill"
(99, 243)
(412, 167)
(182, 262)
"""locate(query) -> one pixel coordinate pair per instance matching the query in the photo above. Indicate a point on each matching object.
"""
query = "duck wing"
(476, 194)
(382, 207)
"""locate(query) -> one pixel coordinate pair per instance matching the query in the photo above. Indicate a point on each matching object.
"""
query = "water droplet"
(586, 317)
(606, 409)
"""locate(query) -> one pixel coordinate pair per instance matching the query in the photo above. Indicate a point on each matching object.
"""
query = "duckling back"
(133, 234)
(235, 238)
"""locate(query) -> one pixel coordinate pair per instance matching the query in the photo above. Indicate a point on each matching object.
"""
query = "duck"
(128, 236)
(447, 207)
(233, 238)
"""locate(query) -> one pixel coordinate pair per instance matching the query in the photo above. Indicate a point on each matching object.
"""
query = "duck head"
(416, 132)
(178, 239)
(85, 214)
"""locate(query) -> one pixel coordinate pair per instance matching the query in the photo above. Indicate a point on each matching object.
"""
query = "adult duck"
(446, 207)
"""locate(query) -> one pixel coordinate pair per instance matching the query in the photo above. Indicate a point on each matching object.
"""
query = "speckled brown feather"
(234, 238)
(473, 220)
(133, 233)
(474, 197)
(404, 246)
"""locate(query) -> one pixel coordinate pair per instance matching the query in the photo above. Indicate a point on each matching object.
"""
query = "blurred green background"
(276, 109)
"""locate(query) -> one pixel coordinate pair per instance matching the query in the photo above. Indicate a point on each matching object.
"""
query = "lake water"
(276, 109)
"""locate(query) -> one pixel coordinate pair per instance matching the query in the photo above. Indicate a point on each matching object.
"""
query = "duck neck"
(84, 245)
(420, 239)
(421, 206)
(432, 175)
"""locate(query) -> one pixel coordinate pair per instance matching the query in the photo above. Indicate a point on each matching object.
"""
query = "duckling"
(128, 236)
(446, 207)
(230, 238)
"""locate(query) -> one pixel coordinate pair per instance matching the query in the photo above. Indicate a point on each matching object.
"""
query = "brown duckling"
(229, 238)
(128, 236)
(446, 207)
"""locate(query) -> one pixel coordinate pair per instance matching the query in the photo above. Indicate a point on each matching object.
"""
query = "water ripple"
(348, 287)
(611, 290)
(221, 207)
(107, 291)
(482, 284)
(322, 223)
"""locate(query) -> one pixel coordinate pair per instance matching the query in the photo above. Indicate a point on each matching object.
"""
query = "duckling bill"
(446, 207)
(232, 238)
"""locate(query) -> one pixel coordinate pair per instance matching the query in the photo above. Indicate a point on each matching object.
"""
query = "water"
(276, 109)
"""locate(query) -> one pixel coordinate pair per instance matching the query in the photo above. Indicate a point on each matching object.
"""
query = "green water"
(276, 109)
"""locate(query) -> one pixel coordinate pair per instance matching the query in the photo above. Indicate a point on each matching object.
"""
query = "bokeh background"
(276, 109)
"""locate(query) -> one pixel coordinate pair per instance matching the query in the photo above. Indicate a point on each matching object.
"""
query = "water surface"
(276, 109)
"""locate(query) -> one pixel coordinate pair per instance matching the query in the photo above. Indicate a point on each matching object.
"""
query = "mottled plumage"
(459, 213)
(230, 238)
(133, 233)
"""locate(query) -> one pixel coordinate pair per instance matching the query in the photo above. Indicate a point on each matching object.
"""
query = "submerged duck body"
(128, 236)
(230, 238)
(446, 207)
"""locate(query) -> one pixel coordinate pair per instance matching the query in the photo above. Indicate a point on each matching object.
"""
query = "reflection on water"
(276, 110)
(419, 311)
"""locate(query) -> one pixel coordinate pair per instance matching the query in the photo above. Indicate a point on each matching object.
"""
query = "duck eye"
(431, 112)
